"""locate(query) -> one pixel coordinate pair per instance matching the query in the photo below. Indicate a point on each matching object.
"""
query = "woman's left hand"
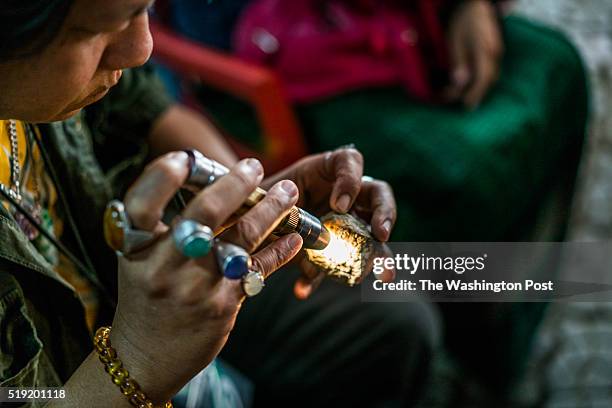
(334, 181)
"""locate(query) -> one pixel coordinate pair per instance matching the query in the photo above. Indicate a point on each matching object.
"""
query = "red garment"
(324, 47)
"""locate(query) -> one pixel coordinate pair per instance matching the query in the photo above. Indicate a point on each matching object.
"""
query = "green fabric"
(462, 175)
(42, 324)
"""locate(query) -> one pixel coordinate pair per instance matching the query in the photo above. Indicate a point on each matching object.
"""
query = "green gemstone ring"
(192, 239)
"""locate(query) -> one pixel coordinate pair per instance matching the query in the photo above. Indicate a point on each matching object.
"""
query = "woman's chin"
(77, 107)
(66, 115)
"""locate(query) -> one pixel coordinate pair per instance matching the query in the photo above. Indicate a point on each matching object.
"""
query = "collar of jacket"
(18, 249)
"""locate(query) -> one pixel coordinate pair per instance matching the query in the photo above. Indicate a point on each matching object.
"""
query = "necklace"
(26, 215)
(15, 189)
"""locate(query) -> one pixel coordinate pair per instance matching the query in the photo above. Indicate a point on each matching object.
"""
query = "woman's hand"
(333, 181)
(174, 314)
(476, 48)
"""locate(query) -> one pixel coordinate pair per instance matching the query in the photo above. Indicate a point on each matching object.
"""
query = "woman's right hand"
(174, 314)
(476, 48)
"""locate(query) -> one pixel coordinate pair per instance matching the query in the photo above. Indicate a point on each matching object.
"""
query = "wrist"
(143, 368)
(145, 353)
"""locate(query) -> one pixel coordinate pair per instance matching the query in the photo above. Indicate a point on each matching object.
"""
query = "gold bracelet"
(119, 375)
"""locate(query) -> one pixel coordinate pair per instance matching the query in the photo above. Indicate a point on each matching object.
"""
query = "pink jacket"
(324, 47)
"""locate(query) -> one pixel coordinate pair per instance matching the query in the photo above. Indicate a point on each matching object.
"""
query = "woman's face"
(98, 39)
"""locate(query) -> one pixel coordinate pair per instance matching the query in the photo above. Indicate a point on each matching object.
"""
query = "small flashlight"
(205, 171)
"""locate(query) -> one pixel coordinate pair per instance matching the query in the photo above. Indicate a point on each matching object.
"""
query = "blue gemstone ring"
(192, 239)
(234, 262)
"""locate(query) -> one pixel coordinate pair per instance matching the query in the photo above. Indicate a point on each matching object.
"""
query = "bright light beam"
(349, 242)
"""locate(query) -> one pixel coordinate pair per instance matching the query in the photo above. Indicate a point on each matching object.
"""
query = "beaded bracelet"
(119, 375)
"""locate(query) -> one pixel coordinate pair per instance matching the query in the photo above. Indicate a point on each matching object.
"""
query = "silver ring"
(234, 262)
(192, 239)
(203, 171)
(118, 231)
(367, 179)
(253, 283)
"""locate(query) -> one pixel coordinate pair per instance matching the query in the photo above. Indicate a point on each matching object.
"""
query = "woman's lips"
(98, 93)
(103, 90)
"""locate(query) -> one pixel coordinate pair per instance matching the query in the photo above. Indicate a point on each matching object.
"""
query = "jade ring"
(192, 239)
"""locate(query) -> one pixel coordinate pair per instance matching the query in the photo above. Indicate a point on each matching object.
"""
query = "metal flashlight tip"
(309, 227)
(322, 240)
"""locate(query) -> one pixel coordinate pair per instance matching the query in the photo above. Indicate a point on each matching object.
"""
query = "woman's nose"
(131, 47)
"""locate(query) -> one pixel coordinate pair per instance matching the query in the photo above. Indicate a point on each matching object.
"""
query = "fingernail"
(179, 156)
(254, 165)
(295, 240)
(305, 291)
(179, 159)
(289, 187)
(343, 202)
(386, 226)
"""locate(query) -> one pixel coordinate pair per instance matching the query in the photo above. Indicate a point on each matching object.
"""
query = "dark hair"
(28, 26)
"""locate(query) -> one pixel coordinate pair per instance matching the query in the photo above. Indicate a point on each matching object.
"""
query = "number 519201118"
(30, 394)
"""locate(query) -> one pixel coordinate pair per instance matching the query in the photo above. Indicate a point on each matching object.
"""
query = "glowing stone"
(350, 243)
(339, 251)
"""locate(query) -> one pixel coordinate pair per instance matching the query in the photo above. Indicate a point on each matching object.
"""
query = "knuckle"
(249, 233)
(349, 184)
(346, 174)
(277, 256)
(245, 181)
(221, 309)
(269, 261)
(156, 285)
(192, 293)
(259, 265)
(187, 299)
(244, 177)
(278, 201)
(212, 209)
(139, 213)
(349, 154)
(164, 167)
(386, 187)
(356, 155)
(169, 170)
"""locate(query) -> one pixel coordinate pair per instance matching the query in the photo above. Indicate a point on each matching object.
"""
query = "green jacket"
(43, 335)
